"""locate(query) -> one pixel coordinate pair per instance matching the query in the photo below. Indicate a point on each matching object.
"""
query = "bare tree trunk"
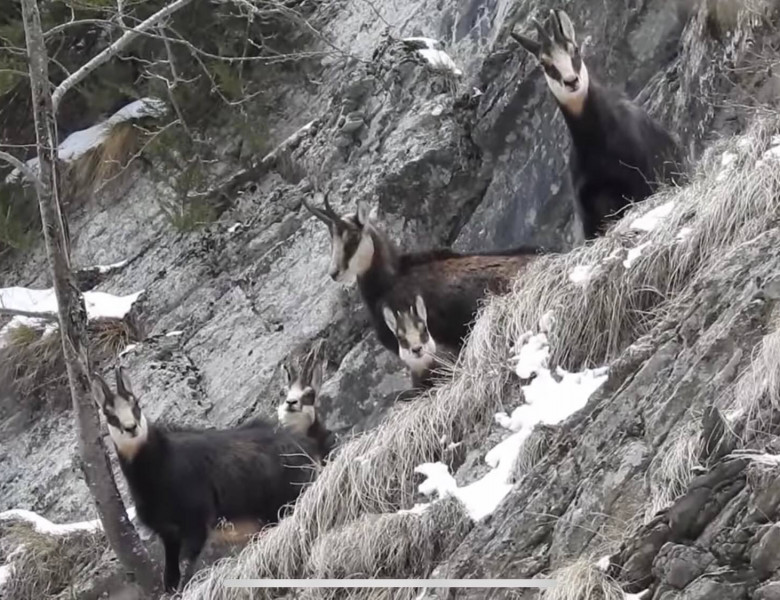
(73, 321)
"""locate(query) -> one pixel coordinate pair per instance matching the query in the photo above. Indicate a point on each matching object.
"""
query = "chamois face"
(351, 247)
(416, 347)
(297, 410)
(127, 425)
(559, 55)
(351, 244)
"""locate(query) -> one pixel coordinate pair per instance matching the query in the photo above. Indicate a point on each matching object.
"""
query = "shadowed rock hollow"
(478, 163)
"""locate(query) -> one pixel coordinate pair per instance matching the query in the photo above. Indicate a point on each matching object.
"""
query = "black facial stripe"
(576, 62)
(552, 72)
(113, 421)
(350, 245)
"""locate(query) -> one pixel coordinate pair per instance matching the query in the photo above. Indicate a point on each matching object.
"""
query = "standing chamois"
(304, 372)
(185, 482)
(619, 154)
(451, 284)
(416, 346)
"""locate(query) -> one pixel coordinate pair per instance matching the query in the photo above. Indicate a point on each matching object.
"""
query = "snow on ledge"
(634, 254)
(44, 303)
(43, 525)
(80, 142)
(431, 50)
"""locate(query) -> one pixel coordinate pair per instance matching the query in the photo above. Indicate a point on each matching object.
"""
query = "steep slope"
(475, 169)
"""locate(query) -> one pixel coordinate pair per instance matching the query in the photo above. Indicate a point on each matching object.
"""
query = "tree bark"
(72, 316)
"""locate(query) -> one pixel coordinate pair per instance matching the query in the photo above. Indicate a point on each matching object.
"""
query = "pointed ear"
(389, 318)
(362, 213)
(100, 391)
(123, 386)
(419, 305)
(317, 375)
(532, 46)
(567, 27)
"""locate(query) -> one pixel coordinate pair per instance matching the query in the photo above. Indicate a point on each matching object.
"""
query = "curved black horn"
(322, 215)
(328, 210)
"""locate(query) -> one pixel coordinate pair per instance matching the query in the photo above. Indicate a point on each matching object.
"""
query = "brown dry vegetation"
(720, 211)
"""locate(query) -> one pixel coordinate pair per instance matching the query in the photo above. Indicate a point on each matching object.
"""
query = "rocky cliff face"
(478, 163)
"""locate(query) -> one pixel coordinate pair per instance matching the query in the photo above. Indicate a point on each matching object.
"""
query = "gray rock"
(765, 558)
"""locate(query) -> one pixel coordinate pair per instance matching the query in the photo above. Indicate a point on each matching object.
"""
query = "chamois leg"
(172, 545)
(193, 545)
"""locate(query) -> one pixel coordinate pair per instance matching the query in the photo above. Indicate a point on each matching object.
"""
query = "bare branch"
(12, 312)
(114, 49)
(22, 168)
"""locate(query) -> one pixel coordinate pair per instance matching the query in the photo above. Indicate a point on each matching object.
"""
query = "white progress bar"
(390, 583)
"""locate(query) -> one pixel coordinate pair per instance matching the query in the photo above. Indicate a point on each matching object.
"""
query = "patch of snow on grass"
(603, 563)
(174, 333)
(634, 254)
(581, 274)
(650, 220)
(533, 354)
(80, 142)
(727, 158)
(127, 349)
(684, 233)
(548, 401)
(643, 595)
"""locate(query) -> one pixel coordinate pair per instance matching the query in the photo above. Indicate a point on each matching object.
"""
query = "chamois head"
(559, 55)
(416, 347)
(351, 244)
(127, 425)
(297, 411)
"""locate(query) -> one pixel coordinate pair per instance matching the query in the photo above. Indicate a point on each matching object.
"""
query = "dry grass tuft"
(671, 469)
(532, 451)
(46, 566)
(724, 16)
(583, 580)
(31, 361)
(106, 161)
(722, 208)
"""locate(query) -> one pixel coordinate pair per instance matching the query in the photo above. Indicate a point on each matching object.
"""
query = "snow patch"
(650, 220)
(80, 142)
(581, 274)
(43, 525)
(548, 400)
(44, 302)
(174, 333)
(127, 349)
(533, 354)
(603, 563)
(103, 269)
(643, 595)
(431, 51)
(634, 254)
(727, 158)
(235, 227)
(684, 233)
(5, 573)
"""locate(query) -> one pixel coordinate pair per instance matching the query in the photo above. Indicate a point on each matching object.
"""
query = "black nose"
(572, 83)
(133, 430)
(292, 403)
(417, 350)
(333, 276)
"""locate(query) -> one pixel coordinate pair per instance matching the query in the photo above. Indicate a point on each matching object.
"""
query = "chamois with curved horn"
(186, 482)
(452, 285)
(417, 348)
(304, 373)
(619, 154)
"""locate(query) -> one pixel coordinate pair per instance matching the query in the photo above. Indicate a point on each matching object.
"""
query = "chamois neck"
(589, 126)
(321, 436)
(384, 265)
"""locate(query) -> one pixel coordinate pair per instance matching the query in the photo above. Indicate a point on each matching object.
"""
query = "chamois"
(451, 284)
(297, 412)
(416, 346)
(185, 482)
(619, 154)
